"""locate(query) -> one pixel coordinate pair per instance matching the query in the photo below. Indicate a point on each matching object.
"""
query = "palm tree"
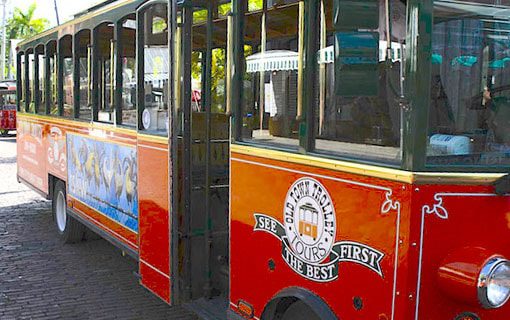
(23, 25)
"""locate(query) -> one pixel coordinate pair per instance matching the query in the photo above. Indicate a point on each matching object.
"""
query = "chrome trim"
(485, 276)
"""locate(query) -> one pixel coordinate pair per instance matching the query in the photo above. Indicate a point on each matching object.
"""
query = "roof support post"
(76, 75)
(237, 82)
(308, 60)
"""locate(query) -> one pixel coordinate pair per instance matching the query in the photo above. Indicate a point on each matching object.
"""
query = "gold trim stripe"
(80, 124)
(370, 170)
(154, 139)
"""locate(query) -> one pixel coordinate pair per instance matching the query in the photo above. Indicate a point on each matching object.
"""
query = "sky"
(46, 8)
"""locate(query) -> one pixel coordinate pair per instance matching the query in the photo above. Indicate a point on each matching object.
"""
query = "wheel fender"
(282, 300)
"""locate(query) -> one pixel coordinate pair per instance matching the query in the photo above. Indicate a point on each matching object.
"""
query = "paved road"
(42, 279)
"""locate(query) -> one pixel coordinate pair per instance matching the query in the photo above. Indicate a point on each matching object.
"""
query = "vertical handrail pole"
(322, 70)
(48, 84)
(301, 54)
(187, 24)
(262, 81)
(208, 106)
(173, 160)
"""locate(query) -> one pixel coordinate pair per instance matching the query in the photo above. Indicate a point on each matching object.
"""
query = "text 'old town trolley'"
(283, 159)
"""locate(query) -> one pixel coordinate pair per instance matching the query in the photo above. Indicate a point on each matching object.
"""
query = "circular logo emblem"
(310, 223)
(146, 119)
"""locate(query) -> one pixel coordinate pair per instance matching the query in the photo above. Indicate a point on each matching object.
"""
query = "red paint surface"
(259, 189)
(469, 230)
(458, 273)
(473, 221)
(153, 281)
(116, 230)
(7, 119)
(31, 150)
(153, 217)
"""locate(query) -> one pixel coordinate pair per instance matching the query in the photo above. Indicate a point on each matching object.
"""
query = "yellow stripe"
(154, 139)
(370, 170)
(84, 125)
(104, 139)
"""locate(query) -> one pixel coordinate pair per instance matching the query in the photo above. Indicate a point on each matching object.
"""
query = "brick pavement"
(40, 278)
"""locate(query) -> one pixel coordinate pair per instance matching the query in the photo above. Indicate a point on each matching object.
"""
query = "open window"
(83, 66)
(154, 68)
(66, 76)
(272, 106)
(51, 78)
(20, 76)
(30, 80)
(127, 52)
(469, 113)
(39, 97)
(360, 79)
(104, 56)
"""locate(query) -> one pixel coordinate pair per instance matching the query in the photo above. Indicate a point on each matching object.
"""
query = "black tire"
(299, 311)
(69, 229)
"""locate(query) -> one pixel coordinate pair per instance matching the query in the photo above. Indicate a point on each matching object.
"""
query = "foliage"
(218, 73)
(23, 25)
(255, 5)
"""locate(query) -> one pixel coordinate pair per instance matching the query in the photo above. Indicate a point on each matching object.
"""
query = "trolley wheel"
(299, 311)
(69, 229)
(4, 133)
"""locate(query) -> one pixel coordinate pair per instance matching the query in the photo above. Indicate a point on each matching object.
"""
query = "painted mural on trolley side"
(103, 175)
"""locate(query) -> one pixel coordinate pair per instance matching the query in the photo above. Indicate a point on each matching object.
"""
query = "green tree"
(23, 25)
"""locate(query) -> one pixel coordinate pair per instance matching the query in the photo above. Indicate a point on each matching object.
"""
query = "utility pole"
(56, 11)
(4, 40)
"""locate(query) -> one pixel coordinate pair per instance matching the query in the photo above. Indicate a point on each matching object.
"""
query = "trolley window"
(127, 51)
(83, 57)
(273, 48)
(105, 51)
(51, 77)
(21, 82)
(360, 76)
(67, 76)
(155, 77)
(469, 114)
(31, 82)
(39, 97)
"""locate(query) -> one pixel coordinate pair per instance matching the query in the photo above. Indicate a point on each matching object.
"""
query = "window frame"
(48, 76)
(412, 142)
(119, 75)
(60, 76)
(39, 95)
(140, 65)
(77, 72)
(240, 9)
(27, 94)
(96, 95)
(19, 82)
(421, 133)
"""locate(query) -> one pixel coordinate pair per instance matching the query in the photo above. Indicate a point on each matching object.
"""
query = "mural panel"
(103, 175)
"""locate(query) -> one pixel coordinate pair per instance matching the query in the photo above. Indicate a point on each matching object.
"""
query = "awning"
(281, 60)
(275, 60)
(326, 55)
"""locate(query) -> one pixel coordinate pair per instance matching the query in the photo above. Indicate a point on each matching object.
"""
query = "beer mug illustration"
(308, 221)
